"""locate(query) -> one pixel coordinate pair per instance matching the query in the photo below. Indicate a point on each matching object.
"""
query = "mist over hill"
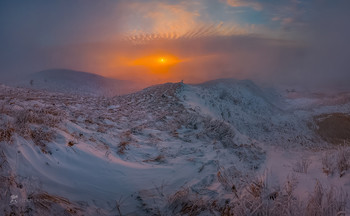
(78, 82)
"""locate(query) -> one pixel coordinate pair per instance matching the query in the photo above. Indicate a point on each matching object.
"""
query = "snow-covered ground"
(225, 147)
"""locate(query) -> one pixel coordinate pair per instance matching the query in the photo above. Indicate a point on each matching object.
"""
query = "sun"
(162, 60)
(158, 64)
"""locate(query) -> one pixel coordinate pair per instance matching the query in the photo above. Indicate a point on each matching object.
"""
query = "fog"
(88, 36)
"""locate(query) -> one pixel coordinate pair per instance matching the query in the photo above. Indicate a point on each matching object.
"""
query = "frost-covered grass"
(36, 124)
(302, 165)
(255, 197)
(337, 161)
(174, 149)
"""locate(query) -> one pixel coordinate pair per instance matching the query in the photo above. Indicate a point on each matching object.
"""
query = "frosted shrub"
(36, 125)
(219, 130)
(40, 137)
(326, 202)
(302, 166)
(6, 132)
(336, 161)
(343, 161)
(44, 116)
(328, 164)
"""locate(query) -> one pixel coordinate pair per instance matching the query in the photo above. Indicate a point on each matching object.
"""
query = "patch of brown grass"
(70, 143)
(122, 147)
(47, 203)
(6, 133)
(40, 137)
(160, 158)
(334, 127)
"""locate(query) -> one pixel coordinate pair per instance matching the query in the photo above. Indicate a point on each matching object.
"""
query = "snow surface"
(132, 153)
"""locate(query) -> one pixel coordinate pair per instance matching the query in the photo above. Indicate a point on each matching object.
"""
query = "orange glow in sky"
(158, 64)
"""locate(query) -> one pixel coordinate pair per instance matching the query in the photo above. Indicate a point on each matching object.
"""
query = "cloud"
(245, 3)
(166, 20)
(204, 31)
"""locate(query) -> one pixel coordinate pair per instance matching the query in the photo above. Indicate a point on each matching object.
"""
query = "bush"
(336, 161)
(328, 164)
(219, 130)
(7, 132)
(40, 137)
(45, 116)
(122, 147)
(302, 166)
(343, 161)
(326, 202)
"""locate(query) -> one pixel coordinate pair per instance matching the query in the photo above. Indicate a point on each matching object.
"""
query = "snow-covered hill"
(225, 147)
(77, 82)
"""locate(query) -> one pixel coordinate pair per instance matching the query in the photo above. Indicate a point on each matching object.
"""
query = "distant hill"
(76, 82)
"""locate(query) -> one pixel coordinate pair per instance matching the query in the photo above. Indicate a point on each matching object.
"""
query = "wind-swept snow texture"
(225, 147)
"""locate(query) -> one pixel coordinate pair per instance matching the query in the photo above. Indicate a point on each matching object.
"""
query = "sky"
(286, 42)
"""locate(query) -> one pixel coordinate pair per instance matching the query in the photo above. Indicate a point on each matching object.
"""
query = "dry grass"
(126, 139)
(266, 201)
(6, 132)
(337, 161)
(328, 164)
(52, 204)
(40, 137)
(230, 179)
(35, 124)
(302, 166)
(160, 159)
(122, 147)
(42, 116)
(257, 197)
(185, 202)
(70, 144)
(326, 202)
(343, 161)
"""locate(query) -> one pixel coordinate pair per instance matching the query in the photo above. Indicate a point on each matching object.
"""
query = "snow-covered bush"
(6, 132)
(343, 161)
(326, 202)
(42, 116)
(40, 137)
(220, 131)
(302, 165)
(329, 166)
(338, 160)
(255, 197)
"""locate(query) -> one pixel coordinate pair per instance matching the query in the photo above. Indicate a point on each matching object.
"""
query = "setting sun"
(157, 63)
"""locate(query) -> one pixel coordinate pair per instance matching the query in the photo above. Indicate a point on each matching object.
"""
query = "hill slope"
(76, 82)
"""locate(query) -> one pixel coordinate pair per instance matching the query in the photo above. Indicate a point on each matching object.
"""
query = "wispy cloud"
(183, 20)
(204, 31)
(245, 3)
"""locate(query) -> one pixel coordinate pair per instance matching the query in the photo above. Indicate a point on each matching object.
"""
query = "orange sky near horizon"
(192, 60)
